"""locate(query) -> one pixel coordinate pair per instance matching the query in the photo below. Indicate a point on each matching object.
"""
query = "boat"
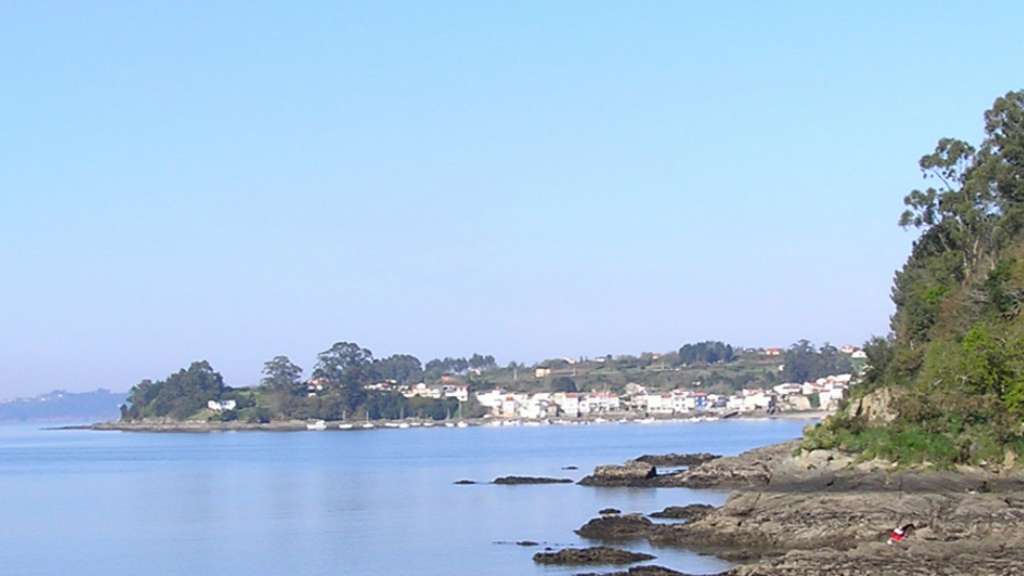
(318, 425)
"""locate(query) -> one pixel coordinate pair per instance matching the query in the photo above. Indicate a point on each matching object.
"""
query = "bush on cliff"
(954, 359)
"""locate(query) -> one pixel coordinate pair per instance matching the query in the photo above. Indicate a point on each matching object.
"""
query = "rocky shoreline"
(820, 512)
(171, 425)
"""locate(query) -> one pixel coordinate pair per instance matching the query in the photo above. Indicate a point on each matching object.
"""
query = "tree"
(282, 376)
(400, 368)
(346, 368)
(181, 395)
(563, 384)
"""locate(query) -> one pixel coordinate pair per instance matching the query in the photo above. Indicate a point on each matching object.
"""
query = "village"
(821, 394)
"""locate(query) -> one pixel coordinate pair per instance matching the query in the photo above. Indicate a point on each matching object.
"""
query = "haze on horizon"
(234, 181)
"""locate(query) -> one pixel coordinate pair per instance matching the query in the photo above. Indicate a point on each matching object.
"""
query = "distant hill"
(61, 406)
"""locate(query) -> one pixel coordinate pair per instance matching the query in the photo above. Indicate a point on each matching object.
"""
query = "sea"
(374, 502)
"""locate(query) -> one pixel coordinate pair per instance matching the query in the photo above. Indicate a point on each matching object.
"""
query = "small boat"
(318, 425)
(344, 426)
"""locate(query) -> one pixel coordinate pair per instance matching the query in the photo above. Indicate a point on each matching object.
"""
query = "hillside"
(946, 385)
(61, 406)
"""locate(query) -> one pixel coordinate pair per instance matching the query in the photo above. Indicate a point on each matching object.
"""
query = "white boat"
(344, 426)
(462, 424)
(318, 425)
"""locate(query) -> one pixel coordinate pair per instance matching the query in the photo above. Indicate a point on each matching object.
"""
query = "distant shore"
(168, 425)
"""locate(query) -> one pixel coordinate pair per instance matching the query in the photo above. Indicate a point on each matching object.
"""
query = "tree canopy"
(954, 360)
(179, 396)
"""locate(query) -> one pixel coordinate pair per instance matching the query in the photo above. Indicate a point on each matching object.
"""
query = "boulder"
(531, 480)
(620, 527)
(677, 460)
(688, 513)
(596, 555)
(633, 473)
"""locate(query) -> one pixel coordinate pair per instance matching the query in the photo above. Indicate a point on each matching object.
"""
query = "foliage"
(345, 368)
(562, 384)
(282, 376)
(706, 353)
(181, 395)
(803, 363)
(400, 368)
(955, 356)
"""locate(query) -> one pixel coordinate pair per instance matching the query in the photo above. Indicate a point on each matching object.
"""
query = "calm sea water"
(378, 502)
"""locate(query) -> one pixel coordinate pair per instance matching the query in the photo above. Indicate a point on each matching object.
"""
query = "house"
(568, 403)
(221, 406)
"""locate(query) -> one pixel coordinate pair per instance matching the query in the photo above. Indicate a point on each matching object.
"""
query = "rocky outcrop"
(624, 527)
(689, 513)
(596, 555)
(915, 559)
(678, 460)
(878, 406)
(645, 570)
(633, 473)
(821, 512)
(531, 480)
(751, 468)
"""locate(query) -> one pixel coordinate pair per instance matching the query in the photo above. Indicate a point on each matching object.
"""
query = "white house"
(221, 406)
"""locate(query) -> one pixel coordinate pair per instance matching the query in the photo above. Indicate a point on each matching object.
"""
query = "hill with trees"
(947, 383)
(348, 383)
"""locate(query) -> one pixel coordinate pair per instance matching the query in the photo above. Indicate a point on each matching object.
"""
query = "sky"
(232, 181)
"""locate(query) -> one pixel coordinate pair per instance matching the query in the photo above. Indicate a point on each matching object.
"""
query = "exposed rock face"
(647, 570)
(822, 513)
(878, 406)
(677, 460)
(531, 480)
(916, 559)
(633, 473)
(597, 555)
(688, 513)
(624, 527)
(752, 468)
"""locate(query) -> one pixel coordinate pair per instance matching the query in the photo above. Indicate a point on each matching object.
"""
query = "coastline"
(199, 426)
(799, 513)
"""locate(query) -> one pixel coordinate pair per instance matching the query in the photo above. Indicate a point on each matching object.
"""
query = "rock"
(878, 406)
(920, 559)
(531, 480)
(677, 460)
(633, 473)
(820, 513)
(624, 527)
(596, 555)
(752, 468)
(688, 513)
(570, 468)
(527, 543)
(609, 511)
(465, 482)
(645, 570)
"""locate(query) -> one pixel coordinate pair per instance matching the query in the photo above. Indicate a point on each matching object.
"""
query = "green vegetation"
(348, 383)
(953, 365)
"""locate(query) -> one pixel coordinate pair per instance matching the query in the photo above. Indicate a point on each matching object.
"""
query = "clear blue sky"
(232, 181)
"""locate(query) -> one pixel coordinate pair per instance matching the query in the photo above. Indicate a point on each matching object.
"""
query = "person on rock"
(898, 533)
